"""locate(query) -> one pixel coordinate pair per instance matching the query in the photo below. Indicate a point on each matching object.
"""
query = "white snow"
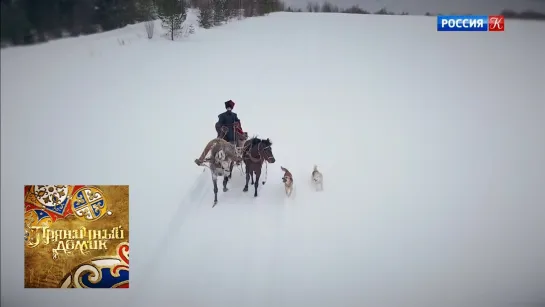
(431, 145)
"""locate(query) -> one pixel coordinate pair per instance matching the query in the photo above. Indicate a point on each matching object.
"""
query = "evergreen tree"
(15, 27)
(232, 8)
(109, 13)
(327, 7)
(249, 7)
(146, 10)
(44, 16)
(265, 7)
(219, 11)
(82, 18)
(172, 14)
(206, 14)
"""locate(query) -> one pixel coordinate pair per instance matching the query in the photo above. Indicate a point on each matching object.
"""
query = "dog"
(317, 179)
(288, 181)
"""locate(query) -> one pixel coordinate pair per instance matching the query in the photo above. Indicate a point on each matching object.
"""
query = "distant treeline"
(216, 12)
(33, 21)
(531, 15)
(328, 7)
(30, 21)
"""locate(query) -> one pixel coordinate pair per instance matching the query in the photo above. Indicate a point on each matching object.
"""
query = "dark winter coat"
(228, 119)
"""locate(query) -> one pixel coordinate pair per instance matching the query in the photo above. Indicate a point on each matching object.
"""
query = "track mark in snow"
(188, 204)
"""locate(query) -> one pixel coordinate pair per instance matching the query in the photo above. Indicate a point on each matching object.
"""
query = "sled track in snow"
(193, 199)
(201, 195)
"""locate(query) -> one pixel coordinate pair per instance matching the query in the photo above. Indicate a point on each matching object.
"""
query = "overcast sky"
(485, 7)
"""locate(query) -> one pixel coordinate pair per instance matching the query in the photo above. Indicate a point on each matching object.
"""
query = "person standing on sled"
(228, 125)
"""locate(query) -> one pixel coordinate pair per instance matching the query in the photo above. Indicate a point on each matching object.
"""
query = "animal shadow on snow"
(270, 192)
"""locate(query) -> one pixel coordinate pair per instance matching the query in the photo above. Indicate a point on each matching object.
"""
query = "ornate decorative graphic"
(88, 203)
(54, 200)
(51, 196)
(76, 236)
(101, 272)
(36, 218)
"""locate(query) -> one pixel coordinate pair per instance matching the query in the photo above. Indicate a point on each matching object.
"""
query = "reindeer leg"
(247, 179)
(231, 170)
(256, 184)
(215, 182)
(252, 178)
(225, 180)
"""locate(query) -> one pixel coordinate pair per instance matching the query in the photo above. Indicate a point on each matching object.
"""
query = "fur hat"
(229, 104)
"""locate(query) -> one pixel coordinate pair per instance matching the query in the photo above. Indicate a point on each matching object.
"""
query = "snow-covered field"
(431, 145)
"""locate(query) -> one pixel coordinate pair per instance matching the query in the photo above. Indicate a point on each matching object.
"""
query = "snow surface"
(431, 145)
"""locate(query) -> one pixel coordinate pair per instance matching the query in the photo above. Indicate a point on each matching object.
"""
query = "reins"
(247, 150)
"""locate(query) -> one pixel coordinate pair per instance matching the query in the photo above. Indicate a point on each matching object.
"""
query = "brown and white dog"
(288, 181)
(317, 179)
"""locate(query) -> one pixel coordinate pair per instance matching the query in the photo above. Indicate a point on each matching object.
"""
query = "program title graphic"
(76, 236)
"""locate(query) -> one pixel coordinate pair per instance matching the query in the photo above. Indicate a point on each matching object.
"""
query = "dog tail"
(315, 167)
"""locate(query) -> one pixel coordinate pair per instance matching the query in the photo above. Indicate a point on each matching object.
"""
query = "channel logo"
(493, 23)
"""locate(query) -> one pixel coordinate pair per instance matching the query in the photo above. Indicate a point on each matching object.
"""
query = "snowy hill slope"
(431, 145)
